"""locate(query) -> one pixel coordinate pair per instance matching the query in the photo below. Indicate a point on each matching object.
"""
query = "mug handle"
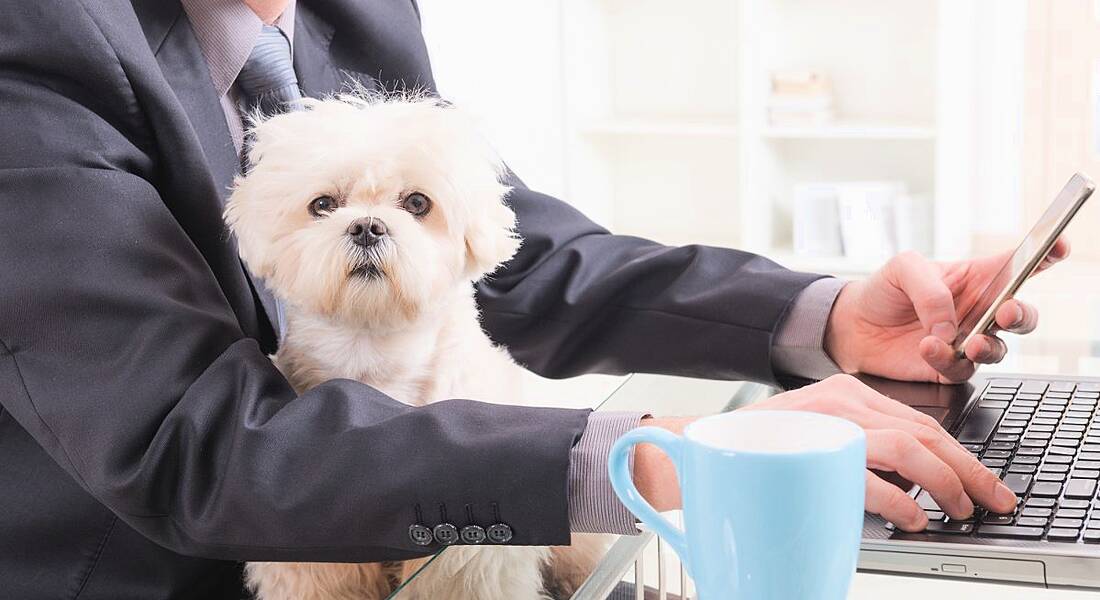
(622, 481)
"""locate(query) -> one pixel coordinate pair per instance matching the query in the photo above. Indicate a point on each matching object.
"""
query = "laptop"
(1041, 435)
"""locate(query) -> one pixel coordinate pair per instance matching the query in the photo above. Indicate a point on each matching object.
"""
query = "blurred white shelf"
(851, 130)
(661, 127)
(830, 265)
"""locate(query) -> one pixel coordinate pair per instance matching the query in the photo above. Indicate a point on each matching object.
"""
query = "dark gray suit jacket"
(146, 442)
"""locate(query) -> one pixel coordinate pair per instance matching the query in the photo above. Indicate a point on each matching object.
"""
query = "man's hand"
(901, 322)
(899, 439)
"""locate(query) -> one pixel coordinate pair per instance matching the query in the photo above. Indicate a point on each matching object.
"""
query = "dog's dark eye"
(417, 204)
(322, 205)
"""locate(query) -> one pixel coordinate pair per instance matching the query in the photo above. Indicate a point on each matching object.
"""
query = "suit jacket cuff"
(593, 505)
(799, 345)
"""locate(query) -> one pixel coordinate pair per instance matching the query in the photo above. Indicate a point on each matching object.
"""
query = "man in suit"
(147, 445)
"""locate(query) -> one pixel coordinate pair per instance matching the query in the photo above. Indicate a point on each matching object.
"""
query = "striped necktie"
(267, 79)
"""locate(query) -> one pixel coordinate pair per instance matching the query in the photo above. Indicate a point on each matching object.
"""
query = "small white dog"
(371, 219)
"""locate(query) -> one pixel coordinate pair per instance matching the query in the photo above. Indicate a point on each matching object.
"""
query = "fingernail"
(1019, 316)
(945, 331)
(1005, 495)
(966, 504)
(919, 522)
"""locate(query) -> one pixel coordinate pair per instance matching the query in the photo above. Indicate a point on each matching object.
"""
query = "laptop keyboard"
(1043, 439)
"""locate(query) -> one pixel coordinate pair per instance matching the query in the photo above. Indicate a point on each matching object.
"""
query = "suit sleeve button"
(473, 534)
(420, 535)
(446, 534)
(499, 533)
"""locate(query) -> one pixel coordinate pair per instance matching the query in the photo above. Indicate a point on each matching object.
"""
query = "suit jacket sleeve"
(578, 299)
(121, 356)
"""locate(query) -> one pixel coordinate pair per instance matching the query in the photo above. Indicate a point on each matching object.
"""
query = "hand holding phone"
(980, 319)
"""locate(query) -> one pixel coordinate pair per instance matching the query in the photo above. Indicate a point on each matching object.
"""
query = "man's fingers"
(1058, 252)
(894, 408)
(941, 356)
(899, 451)
(922, 282)
(986, 349)
(1017, 317)
(894, 505)
(980, 483)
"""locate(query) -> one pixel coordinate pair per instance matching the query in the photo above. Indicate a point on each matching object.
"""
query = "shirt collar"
(227, 30)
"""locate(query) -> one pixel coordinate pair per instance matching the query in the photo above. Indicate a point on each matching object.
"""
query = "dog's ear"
(490, 238)
(252, 232)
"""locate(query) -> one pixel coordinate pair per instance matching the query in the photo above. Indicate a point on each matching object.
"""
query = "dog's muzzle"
(367, 232)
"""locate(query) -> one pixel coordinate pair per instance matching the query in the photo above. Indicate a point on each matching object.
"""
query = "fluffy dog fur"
(398, 315)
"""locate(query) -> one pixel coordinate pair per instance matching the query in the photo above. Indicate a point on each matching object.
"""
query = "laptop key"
(997, 519)
(1000, 403)
(1036, 512)
(1022, 468)
(1067, 523)
(954, 527)
(1047, 490)
(1074, 504)
(1062, 386)
(1029, 452)
(1033, 387)
(1018, 483)
(1032, 521)
(1002, 446)
(973, 447)
(1011, 531)
(1050, 467)
(1092, 536)
(994, 463)
(1035, 502)
(1058, 459)
(980, 425)
(1049, 477)
(1070, 513)
(934, 515)
(1087, 456)
(997, 454)
(926, 501)
(1062, 535)
(1081, 488)
(1084, 474)
(1061, 450)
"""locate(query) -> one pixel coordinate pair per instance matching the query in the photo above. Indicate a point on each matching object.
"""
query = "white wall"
(502, 59)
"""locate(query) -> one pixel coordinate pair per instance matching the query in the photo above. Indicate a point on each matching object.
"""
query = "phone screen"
(1024, 260)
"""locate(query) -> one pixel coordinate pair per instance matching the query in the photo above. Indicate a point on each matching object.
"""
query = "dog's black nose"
(367, 232)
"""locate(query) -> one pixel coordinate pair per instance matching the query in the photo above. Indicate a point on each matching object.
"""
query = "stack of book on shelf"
(800, 99)
(860, 220)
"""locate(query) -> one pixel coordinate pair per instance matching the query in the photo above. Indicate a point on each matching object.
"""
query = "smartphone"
(1023, 262)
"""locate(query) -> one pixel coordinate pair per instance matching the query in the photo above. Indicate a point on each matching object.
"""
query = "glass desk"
(1067, 342)
(644, 557)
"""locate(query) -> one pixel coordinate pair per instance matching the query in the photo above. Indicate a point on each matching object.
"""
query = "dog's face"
(366, 211)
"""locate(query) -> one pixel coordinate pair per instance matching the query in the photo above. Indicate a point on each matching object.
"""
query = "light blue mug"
(773, 502)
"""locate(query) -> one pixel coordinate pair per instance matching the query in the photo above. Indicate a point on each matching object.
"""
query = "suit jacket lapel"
(169, 34)
(312, 61)
(184, 67)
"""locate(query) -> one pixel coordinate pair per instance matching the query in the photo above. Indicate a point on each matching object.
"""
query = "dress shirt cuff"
(593, 505)
(799, 345)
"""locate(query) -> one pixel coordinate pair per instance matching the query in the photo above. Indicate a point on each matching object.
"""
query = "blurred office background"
(826, 134)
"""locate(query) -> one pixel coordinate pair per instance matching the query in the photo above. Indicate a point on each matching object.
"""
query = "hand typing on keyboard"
(908, 442)
(900, 323)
